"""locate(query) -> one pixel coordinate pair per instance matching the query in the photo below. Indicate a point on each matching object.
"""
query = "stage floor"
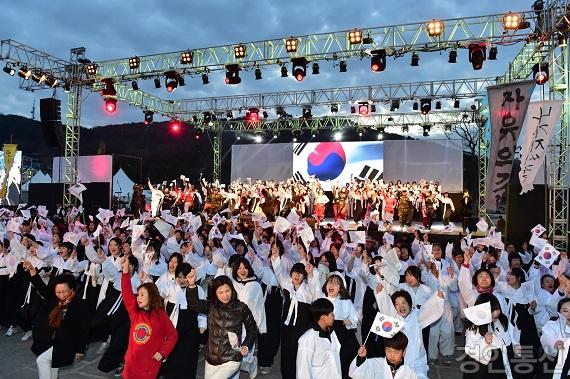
(454, 228)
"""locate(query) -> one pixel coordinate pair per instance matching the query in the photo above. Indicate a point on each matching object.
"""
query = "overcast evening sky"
(119, 29)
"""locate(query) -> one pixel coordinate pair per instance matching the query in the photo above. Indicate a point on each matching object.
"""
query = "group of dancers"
(360, 200)
(155, 287)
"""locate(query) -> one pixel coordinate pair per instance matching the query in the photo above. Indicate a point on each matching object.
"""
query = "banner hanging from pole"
(539, 124)
(10, 150)
(508, 105)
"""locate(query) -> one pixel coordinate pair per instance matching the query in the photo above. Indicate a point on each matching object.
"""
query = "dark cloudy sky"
(122, 28)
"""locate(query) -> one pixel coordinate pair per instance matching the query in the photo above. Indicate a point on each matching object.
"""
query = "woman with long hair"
(152, 335)
(227, 317)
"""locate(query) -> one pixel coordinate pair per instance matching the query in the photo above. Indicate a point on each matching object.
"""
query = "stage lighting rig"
(477, 55)
(334, 108)
(171, 80)
(540, 73)
(415, 106)
(110, 104)
(299, 68)
(205, 79)
(405, 129)
(395, 105)
(91, 69)
(24, 72)
(257, 73)
(291, 45)
(134, 63)
(425, 106)
(307, 114)
(148, 117)
(435, 28)
(378, 60)
(252, 115)
(284, 73)
(415, 60)
(438, 104)
(315, 68)
(342, 66)
(426, 128)
(456, 103)
(156, 83)
(447, 128)
(363, 108)
(493, 53)
(355, 36)
(186, 57)
(175, 126)
(9, 70)
(51, 82)
(38, 77)
(232, 74)
(135, 85)
(452, 56)
(514, 21)
(239, 51)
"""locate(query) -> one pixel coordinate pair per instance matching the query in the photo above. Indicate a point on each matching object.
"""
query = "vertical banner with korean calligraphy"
(540, 124)
(10, 150)
(507, 109)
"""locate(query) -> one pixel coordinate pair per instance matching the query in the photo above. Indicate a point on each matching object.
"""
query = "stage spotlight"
(66, 87)
(380, 134)
(9, 70)
(238, 137)
(368, 40)
(284, 73)
(438, 105)
(355, 36)
(252, 115)
(337, 136)
(342, 66)
(426, 128)
(291, 45)
(171, 80)
(51, 82)
(425, 106)
(257, 73)
(156, 83)
(473, 107)
(109, 88)
(395, 105)
(512, 21)
(197, 134)
(24, 73)
(363, 109)
(299, 68)
(135, 85)
(91, 69)
(186, 57)
(148, 117)
(110, 104)
(175, 126)
(205, 79)
(456, 103)
(232, 74)
(493, 53)
(434, 28)
(334, 108)
(229, 115)
(265, 115)
(540, 73)
(352, 109)
(181, 81)
(477, 55)
(415, 59)
(315, 68)
(390, 119)
(314, 132)
(372, 108)
(207, 117)
(294, 139)
(415, 106)
(378, 60)
(239, 51)
(258, 138)
(307, 114)
(38, 77)
(405, 129)
(447, 128)
(171, 85)
(275, 135)
(134, 63)
(452, 56)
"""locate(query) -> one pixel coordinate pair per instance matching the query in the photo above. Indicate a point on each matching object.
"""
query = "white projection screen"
(266, 162)
(438, 160)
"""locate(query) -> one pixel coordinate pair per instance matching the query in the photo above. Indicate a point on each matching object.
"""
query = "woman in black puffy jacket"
(226, 314)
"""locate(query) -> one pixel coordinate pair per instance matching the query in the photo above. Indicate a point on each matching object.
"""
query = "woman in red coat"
(152, 336)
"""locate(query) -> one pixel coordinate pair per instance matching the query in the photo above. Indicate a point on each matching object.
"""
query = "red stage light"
(175, 126)
(110, 105)
(375, 67)
(299, 76)
(363, 110)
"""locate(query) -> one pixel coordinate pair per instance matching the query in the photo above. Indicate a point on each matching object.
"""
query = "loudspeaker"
(50, 116)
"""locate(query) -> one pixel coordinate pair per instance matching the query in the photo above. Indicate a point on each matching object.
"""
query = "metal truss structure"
(541, 39)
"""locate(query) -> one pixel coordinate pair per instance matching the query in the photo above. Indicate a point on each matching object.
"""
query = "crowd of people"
(255, 285)
(360, 200)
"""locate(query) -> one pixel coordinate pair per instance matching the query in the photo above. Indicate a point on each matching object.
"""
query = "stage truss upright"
(72, 126)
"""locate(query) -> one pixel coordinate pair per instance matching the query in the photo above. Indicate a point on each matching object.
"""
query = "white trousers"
(228, 370)
(43, 361)
(441, 335)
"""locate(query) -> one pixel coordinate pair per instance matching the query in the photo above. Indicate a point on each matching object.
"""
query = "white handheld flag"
(479, 314)
(281, 224)
(386, 326)
(547, 255)
(538, 230)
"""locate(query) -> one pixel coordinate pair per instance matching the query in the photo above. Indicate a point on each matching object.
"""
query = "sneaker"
(447, 360)
(433, 362)
(264, 370)
(119, 371)
(11, 331)
(253, 373)
(102, 348)
(26, 336)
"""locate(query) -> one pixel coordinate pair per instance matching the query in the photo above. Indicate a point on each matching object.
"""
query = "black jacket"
(224, 318)
(70, 338)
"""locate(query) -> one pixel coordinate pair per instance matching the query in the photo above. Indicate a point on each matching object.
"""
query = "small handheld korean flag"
(215, 233)
(547, 255)
(482, 226)
(281, 224)
(358, 236)
(386, 326)
(389, 238)
(306, 233)
(479, 314)
(293, 217)
(538, 230)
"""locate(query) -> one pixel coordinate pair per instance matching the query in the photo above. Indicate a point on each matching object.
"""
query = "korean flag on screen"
(338, 161)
